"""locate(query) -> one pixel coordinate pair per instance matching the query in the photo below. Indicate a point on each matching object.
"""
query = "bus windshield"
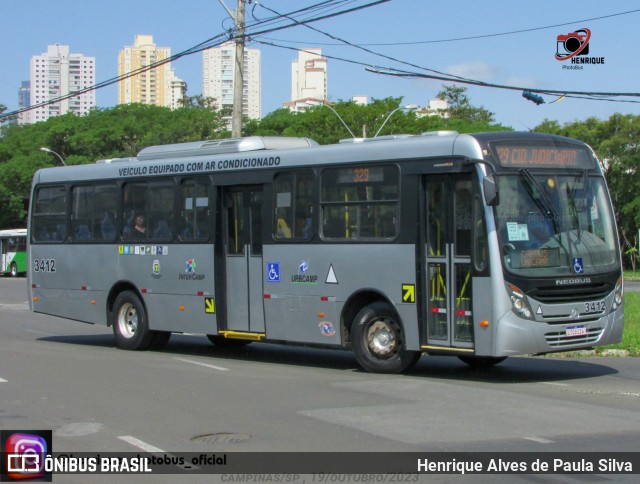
(555, 225)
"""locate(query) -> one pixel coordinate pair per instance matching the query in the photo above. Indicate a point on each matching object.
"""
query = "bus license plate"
(576, 330)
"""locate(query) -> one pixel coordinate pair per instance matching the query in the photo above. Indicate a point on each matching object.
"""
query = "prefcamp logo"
(574, 47)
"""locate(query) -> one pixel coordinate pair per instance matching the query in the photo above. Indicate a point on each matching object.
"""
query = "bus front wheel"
(14, 270)
(130, 324)
(378, 341)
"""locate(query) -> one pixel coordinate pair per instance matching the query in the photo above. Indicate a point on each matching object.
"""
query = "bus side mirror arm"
(489, 187)
(491, 196)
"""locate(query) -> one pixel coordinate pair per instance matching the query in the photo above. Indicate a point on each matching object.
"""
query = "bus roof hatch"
(221, 146)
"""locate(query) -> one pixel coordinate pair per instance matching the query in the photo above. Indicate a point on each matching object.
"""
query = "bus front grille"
(559, 339)
(569, 294)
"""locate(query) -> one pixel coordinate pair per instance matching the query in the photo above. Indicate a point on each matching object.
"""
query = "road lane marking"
(18, 307)
(214, 367)
(540, 440)
(141, 444)
(2, 380)
(35, 331)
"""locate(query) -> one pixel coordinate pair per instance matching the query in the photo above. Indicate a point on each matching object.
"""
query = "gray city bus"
(480, 246)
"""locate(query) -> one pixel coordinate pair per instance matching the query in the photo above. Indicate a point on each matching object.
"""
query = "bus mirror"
(491, 197)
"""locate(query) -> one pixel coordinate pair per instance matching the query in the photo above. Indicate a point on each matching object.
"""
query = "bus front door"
(243, 254)
(447, 282)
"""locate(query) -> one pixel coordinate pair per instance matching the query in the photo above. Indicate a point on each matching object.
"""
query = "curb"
(590, 354)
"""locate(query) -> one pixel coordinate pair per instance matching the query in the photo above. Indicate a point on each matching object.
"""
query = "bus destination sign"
(542, 156)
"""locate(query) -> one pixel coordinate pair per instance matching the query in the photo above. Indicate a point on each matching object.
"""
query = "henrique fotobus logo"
(24, 455)
(574, 47)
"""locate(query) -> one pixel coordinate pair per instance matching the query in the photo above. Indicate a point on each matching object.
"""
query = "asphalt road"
(193, 397)
(632, 285)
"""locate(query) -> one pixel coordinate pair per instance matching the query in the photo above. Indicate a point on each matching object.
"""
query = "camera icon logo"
(25, 455)
(573, 44)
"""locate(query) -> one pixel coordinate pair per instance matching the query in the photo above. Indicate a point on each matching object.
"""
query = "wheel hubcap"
(128, 320)
(381, 338)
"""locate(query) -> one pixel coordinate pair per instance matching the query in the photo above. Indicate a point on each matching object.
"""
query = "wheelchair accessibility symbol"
(273, 271)
(578, 268)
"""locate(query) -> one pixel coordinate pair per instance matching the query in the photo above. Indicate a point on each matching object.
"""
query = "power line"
(473, 37)
(211, 42)
(398, 73)
(446, 78)
(453, 78)
(369, 51)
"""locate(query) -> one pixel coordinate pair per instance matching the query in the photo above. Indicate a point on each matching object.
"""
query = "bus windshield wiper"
(578, 204)
(581, 177)
(547, 208)
(545, 204)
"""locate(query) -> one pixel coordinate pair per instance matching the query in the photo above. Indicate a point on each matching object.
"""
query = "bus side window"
(463, 217)
(360, 202)
(194, 209)
(50, 214)
(90, 209)
(293, 206)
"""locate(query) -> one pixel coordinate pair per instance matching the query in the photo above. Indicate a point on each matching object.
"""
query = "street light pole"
(334, 112)
(388, 117)
(47, 150)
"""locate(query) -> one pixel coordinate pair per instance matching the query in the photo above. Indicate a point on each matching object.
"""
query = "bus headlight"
(519, 303)
(618, 295)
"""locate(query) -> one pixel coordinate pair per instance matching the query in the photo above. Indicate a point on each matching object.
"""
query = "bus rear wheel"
(14, 269)
(129, 322)
(378, 341)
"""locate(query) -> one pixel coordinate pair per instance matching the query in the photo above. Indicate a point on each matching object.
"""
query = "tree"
(615, 141)
(460, 106)
(117, 132)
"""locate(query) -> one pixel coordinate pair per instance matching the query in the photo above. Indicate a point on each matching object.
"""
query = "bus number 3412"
(44, 265)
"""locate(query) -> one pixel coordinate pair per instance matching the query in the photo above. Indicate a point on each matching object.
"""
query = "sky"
(411, 35)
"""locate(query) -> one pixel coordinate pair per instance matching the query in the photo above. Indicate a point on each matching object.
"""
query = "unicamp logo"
(574, 47)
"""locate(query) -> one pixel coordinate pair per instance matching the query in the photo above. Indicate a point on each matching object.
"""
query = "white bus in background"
(13, 252)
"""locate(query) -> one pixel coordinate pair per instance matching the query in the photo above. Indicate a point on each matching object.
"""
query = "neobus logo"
(568, 282)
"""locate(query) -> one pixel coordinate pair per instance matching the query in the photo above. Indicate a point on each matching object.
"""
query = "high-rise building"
(57, 73)
(159, 86)
(218, 72)
(309, 75)
(24, 95)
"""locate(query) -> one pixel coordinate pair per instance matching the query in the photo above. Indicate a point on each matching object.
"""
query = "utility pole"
(238, 77)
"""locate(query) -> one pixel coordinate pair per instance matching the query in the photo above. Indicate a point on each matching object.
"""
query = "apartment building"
(58, 73)
(159, 86)
(309, 75)
(218, 72)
